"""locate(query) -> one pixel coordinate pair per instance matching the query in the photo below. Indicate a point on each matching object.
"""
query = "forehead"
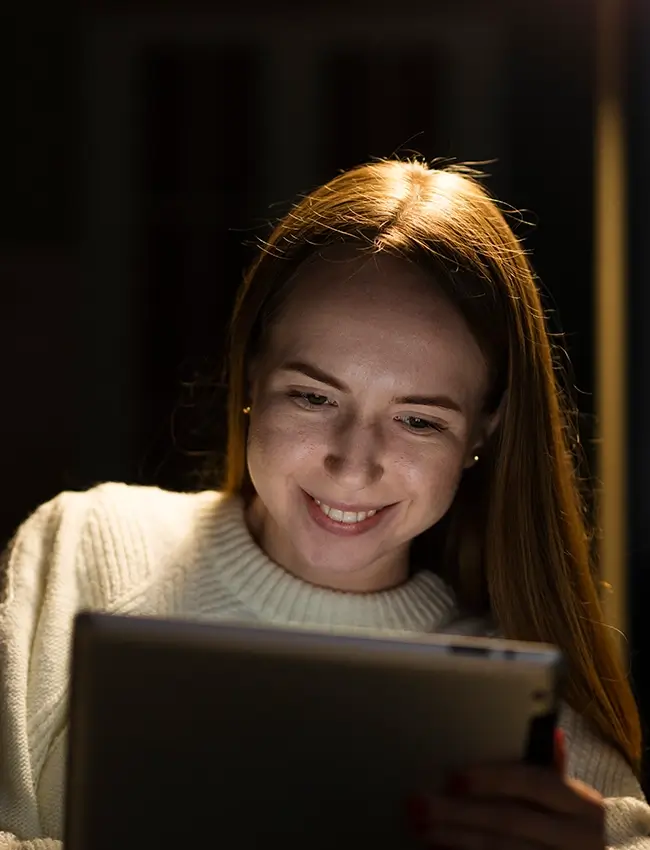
(377, 289)
(347, 313)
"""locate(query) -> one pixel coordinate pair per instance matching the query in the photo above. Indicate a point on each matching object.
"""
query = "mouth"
(344, 519)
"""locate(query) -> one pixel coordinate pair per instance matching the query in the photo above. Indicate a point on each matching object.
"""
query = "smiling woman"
(400, 457)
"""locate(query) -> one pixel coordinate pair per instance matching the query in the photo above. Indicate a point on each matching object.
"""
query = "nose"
(354, 459)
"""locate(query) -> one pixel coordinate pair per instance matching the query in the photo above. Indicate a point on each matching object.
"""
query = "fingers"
(479, 823)
(539, 787)
(465, 839)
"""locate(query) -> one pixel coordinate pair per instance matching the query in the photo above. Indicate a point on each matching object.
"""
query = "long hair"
(516, 541)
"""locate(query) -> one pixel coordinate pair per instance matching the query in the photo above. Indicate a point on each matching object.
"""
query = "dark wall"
(40, 176)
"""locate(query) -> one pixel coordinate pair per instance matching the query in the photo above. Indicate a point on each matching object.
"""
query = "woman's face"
(366, 408)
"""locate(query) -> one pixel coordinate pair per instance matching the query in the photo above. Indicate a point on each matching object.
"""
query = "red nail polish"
(560, 751)
(457, 785)
(417, 813)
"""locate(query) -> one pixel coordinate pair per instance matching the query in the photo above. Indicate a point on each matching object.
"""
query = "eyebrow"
(441, 401)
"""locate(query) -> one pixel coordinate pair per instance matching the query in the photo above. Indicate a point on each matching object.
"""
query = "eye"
(310, 400)
(420, 426)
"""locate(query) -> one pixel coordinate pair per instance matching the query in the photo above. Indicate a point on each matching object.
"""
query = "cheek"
(434, 476)
(278, 443)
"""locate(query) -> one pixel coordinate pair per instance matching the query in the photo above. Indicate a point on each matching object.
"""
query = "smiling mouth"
(345, 517)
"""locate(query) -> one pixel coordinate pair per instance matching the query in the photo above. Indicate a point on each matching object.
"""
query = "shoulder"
(98, 539)
(116, 508)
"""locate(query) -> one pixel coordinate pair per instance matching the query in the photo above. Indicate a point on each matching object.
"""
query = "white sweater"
(136, 550)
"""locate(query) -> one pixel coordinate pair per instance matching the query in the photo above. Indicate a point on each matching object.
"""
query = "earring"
(246, 410)
(476, 458)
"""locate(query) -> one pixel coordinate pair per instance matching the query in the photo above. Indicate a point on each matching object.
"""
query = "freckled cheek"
(280, 444)
(432, 477)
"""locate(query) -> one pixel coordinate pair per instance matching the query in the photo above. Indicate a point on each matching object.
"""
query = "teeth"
(349, 517)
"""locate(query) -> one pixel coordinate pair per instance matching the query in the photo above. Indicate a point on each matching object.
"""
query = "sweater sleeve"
(627, 814)
(38, 602)
(91, 550)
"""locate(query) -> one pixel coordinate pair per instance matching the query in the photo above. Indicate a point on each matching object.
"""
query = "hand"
(512, 807)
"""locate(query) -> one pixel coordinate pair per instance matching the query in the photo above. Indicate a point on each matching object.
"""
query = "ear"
(487, 425)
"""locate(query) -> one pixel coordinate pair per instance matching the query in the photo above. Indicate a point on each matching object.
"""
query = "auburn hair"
(516, 543)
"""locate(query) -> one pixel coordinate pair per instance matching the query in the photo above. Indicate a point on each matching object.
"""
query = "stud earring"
(246, 410)
(476, 458)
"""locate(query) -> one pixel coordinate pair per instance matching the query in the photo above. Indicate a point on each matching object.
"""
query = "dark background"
(145, 147)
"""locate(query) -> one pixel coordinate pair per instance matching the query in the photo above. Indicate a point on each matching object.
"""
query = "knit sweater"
(145, 551)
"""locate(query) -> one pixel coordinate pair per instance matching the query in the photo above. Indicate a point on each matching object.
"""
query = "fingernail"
(417, 812)
(560, 750)
(457, 785)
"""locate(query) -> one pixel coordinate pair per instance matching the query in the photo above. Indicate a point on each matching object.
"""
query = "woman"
(398, 457)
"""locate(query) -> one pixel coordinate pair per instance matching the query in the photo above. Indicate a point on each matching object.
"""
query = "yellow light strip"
(610, 233)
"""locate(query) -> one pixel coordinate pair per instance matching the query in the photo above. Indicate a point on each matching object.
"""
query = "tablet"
(238, 737)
